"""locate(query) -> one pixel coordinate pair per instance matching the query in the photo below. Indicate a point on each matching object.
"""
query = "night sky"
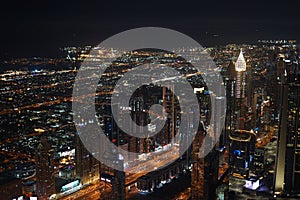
(39, 28)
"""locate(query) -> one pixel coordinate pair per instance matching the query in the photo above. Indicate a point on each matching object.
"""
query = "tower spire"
(240, 64)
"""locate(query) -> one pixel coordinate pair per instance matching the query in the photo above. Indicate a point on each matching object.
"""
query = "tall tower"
(140, 118)
(110, 126)
(204, 169)
(287, 170)
(197, 168)
(118, 190)
(230, 103)
(87, 167)
(169, 105)
(240, 90)
(240, 68)
(44, 170)
(119, 182)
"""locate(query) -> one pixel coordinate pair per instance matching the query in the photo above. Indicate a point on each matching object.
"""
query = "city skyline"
(245, 155)
(107, 100)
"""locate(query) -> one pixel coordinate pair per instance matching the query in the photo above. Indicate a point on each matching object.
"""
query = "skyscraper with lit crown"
(240, 68)
(240, 90)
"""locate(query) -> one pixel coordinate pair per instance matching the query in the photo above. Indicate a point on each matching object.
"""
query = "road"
(161, 160)
(86, 192)
(265, 139)
(155, 160)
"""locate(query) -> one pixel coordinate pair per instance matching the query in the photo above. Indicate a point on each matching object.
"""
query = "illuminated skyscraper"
(44, 170)
(240, 68)
(287, 171)
(229, 81)
(240, 90)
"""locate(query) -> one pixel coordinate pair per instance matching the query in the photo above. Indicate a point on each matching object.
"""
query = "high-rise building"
(287, 170)
(138, 115)
(229, 80)
(116, 136)
(280, 68)
(118, 185)
(240, 68)
(235, 81)
(118, 178)
(241, 152)
(259, 160)
(109, 123)
(197, 168)
(240, 90)
(44, 170)
(169, 105)
(87, 167)
(204, 174)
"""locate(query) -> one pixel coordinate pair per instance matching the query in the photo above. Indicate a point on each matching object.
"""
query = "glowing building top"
(240, 65)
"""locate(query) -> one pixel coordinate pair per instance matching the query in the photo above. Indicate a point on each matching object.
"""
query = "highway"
(87, 192)
(161, 160)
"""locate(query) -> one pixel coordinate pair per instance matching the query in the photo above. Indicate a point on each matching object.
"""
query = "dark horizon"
(40, 29)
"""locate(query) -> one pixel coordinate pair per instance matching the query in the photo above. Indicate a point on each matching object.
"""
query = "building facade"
(287, 170)
(44, 170)
(87, 167)
(204, 175)
(241, 152)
